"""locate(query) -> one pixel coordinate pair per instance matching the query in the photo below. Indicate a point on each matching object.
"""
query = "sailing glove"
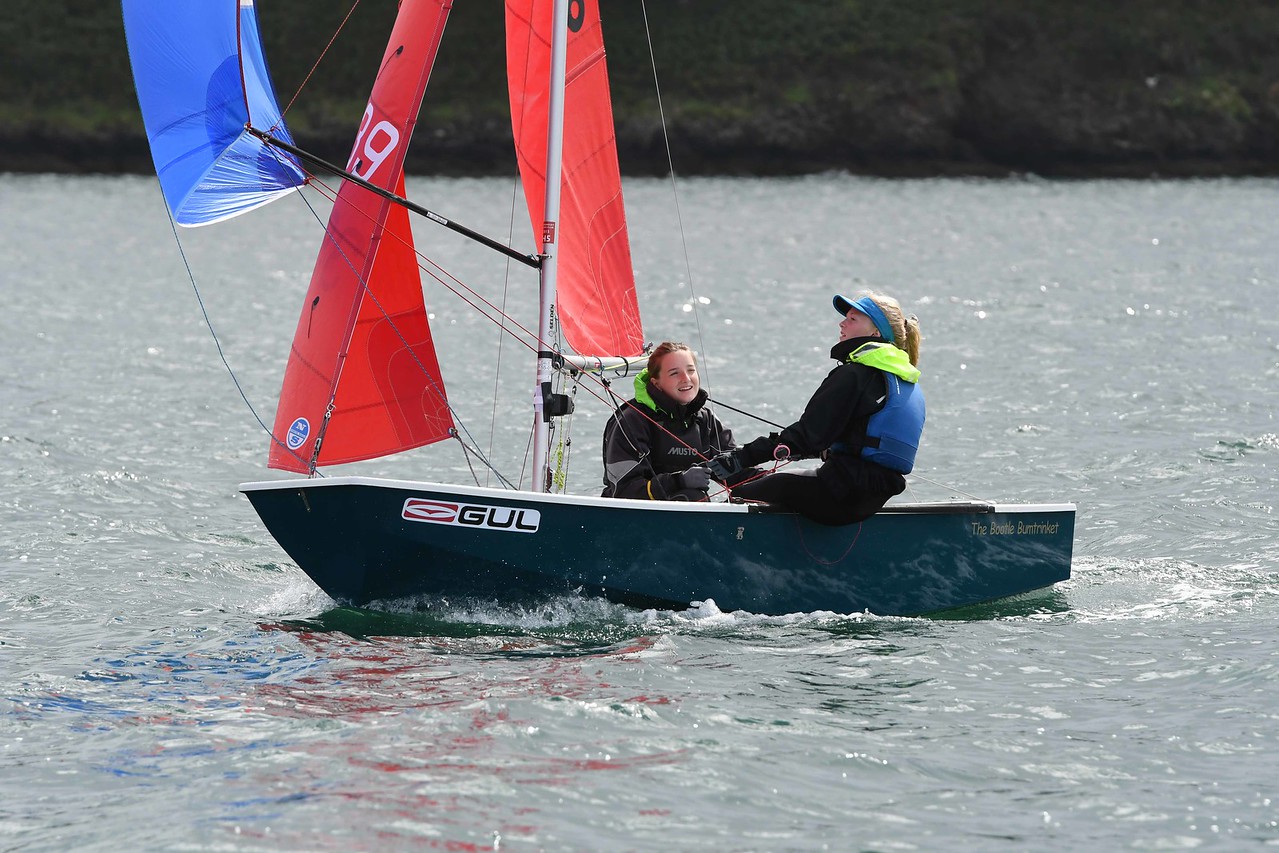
(696, 478)
(724, 465)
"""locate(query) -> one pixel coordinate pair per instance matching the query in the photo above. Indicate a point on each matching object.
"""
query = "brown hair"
(660, 352)
(905, 329)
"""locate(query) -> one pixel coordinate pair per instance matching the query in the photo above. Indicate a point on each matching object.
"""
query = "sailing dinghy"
(363, 380)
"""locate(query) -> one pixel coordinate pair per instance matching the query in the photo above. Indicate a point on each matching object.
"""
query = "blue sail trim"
(186, 69)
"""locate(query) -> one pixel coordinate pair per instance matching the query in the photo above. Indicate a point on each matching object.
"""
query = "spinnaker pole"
(529, 260)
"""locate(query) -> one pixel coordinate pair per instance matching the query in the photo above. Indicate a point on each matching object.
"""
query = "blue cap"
(867, 306)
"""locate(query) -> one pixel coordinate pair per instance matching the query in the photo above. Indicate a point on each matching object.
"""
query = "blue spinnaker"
(198, 89)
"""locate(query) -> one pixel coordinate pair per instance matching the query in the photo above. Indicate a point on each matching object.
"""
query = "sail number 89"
(372, 145)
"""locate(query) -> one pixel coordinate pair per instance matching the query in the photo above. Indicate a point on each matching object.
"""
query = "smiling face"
(856, 325)
(677, 377)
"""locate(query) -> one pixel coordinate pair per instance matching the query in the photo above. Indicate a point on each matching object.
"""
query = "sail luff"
(363, 379)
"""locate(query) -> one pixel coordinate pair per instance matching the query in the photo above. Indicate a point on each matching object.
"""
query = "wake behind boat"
(363, 380)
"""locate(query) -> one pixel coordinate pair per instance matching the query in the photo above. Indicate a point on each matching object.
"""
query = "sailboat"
(363, 380)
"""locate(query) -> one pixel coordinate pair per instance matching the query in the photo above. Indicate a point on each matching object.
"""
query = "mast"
(550, 238)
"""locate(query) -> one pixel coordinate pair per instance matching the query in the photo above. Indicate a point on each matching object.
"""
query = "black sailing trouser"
(805, 493)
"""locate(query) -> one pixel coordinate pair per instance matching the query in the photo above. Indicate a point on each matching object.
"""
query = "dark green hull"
(363, 540)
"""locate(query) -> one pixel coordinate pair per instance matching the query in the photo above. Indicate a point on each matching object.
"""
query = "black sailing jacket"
(837, 413)
(651, 439)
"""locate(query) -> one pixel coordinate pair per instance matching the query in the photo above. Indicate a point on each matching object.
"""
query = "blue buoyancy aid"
(893, 433)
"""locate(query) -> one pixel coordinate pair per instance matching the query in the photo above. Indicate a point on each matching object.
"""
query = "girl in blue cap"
(864, 422)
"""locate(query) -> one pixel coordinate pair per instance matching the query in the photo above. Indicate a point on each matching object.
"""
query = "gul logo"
(511, 519)
(298, 431)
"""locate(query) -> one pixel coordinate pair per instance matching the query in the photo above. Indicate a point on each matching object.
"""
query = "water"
(171, 681)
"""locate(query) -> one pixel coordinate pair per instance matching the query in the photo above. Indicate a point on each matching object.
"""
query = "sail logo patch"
(510, 519)
(298, 431)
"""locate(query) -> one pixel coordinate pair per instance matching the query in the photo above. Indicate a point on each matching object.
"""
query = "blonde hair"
(660, 352)
(905, 329)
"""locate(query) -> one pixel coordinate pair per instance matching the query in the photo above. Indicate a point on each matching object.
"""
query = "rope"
(501, 338)
(564, 448)
(747, 414)
(216, 341)
(816, 559)
(670, 165)
(318, 60)
(919, 476)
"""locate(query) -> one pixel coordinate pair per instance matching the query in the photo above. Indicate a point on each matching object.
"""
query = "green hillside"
(891, 87)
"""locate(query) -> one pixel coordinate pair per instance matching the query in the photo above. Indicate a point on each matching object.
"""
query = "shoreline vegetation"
(902, 88)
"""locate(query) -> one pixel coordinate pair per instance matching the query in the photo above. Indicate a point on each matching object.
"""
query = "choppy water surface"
(171, 681)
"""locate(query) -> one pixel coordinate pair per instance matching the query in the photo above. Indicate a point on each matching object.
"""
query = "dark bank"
(915, 88)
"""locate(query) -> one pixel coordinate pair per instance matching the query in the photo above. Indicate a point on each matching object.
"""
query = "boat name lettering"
(1020, 528)
(512, 519)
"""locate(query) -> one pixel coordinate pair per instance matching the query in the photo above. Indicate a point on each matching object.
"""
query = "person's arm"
(724, 442)
(828, 412)
(628, 471)
(824, 421)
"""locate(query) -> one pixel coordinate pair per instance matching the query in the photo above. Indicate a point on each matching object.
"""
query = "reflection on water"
(171, 681)
(1039, 602)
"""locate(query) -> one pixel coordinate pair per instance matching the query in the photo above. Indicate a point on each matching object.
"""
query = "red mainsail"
(363, 379)
(596, 301)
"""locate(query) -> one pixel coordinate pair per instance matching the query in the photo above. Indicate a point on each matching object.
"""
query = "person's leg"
(803, 493)
(807, 494)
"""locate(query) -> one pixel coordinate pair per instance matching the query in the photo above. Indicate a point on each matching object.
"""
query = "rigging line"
(318, 60)
(439, 274)
(747, 414)
(679, 216)
(501, 336)
(218, 343)
(919, 476)
(458, 420)
(534, 261)
(528, 448)
(468, 452)
(329, 193)
(566, 441)
(439, 392)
